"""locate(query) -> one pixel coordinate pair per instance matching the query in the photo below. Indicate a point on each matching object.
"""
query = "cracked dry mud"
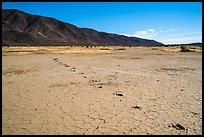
(153, 92)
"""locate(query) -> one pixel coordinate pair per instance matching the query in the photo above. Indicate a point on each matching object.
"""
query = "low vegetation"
(185, 49)
(17, 71)
(25, 50)
(177, 49)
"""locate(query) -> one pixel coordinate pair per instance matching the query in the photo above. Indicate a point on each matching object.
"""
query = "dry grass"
(168, 49)
(81, 50)
(17, 71)
(196, 49)
(25, 50)
(177, 49)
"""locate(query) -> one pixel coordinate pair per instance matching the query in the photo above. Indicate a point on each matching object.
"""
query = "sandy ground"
(132, 91)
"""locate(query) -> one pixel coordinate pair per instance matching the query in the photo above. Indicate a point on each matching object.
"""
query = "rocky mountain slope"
(20, 28)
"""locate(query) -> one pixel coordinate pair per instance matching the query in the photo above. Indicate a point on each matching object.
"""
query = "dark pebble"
(178, 126)
(118, 94)
(136, 107)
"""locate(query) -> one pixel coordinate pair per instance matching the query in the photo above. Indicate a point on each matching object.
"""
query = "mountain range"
(20, 28)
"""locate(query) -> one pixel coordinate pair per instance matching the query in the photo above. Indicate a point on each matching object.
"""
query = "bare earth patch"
(65, 90)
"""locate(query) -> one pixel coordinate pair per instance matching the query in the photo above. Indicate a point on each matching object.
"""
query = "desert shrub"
(121, 49)
(105, 49)
(185, 49)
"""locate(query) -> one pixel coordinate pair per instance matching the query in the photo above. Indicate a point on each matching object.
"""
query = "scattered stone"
(66, 65)
(119, 94)
(100, 87)
(84, 76)
(73, 69)
(120, 100)
(157, 79)
(194, 113)
(181, 89)
(137, 107)
(55, 59)
(178, 126)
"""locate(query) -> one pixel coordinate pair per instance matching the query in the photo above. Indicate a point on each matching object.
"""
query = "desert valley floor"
(96, 90)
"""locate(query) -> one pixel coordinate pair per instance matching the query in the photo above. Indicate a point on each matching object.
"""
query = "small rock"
(178, 126)
(55, 59)
(136, 107)
(119, 94)
(84, 76)
(100, 87)
(194, 113)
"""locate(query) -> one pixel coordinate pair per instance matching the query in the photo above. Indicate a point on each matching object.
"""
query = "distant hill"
(188, 44)
(20, 28)
(197, 44)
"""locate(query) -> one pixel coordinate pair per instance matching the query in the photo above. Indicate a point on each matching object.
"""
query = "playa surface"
(124, 90)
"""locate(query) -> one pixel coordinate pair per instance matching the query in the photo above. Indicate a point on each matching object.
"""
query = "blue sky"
(166, 22)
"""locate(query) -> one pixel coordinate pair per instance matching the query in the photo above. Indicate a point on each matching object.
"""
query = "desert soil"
(132, 91)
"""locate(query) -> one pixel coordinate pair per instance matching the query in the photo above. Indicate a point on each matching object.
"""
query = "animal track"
(73, 69)
(61, 63)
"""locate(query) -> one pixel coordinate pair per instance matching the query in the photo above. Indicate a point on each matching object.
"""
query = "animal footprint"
(66, 65)
(56, 59)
